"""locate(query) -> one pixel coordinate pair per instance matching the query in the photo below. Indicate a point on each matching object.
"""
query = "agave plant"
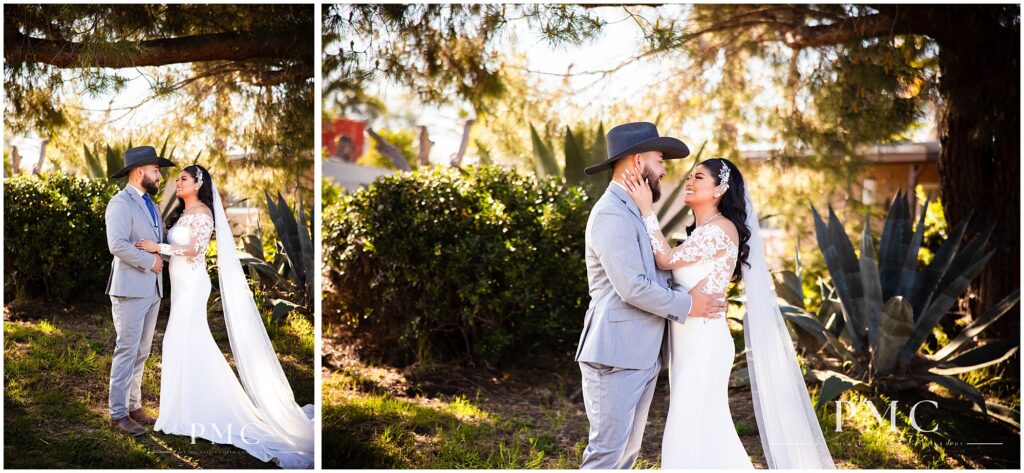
(578, 155)
(881, 311)
(294, 259)
(100, 161)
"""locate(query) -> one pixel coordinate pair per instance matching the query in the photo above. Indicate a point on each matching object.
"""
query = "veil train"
(790, 433)
(258, 367)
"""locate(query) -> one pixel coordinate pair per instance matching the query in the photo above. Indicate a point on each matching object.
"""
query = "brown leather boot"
(128, 425)
(141, 416)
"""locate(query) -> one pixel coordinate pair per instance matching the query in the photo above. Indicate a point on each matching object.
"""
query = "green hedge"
(483, 263)
(55, 242)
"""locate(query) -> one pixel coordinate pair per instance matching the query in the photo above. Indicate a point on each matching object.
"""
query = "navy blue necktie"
(149, 205)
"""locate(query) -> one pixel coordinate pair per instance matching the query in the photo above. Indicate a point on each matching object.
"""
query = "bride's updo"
(205, 192)
(733, 207)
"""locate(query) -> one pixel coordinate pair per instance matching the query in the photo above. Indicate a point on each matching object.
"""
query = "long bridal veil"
(258, 367)
(790, 433)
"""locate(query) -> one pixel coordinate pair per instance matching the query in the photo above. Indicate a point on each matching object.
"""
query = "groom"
(632, 301)
(135, 285)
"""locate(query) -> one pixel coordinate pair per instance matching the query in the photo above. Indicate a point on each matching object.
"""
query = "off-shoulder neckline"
(720, 229)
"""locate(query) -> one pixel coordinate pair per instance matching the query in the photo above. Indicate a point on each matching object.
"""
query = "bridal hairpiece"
(723, 179)
(199, 178)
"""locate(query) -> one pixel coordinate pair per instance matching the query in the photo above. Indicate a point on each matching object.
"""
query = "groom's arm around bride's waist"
(119, 232)
(615, 243)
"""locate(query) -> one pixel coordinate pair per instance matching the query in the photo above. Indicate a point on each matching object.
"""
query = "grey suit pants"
(617, 401)
(134, 322)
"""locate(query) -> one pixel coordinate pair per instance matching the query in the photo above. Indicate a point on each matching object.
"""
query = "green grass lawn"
(453, 416)
(56, 374)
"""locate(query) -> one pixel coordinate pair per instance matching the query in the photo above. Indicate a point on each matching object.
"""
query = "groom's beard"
(654, 182)
(150, 186)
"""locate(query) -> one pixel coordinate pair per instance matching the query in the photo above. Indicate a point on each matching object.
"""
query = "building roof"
(350, 175)
(923, 152)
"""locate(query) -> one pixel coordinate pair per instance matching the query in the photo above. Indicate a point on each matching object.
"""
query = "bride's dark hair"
(732, 207)
(205, 193)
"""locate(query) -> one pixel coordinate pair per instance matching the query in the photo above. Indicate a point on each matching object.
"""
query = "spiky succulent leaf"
(288, 235)
(908, 270)
(834, 385)
(265, 270)
(813, 333)
(92, 160)
(853, 300)
(872, 286)
(978, 325)
(970, 253)
(928, 280)
(889, 255)
(896, 328)
(957, 386)
(827, 245)
(988, 354)
(575, 161)
(282, 308)
(789, 287)
(940, 305)
(544, 157)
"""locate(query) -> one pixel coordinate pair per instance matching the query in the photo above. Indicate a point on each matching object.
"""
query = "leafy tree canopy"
(237, 73)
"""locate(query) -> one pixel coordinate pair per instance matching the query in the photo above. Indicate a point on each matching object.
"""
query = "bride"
(199, 393)
(724, 245)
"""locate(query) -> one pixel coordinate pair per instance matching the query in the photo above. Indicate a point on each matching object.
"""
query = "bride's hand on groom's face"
(148, 246)
(640, 190)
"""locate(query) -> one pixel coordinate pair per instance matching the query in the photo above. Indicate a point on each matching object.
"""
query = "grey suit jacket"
(128, 221)
(631, 300)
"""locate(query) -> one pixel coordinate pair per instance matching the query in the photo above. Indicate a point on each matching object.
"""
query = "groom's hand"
(711, 306)
(158, 265)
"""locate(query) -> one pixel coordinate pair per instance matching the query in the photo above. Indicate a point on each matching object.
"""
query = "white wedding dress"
(200, 395)
(699, 431)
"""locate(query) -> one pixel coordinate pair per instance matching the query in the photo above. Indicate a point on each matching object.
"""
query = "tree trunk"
(42, 157)
(425, 145)
(979, 161)
(456, 160)
(15, 161)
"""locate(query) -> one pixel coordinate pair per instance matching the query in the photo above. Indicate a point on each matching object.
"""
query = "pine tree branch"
(868, 26)
(232, 46)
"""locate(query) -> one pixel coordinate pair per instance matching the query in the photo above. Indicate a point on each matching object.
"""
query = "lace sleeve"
(200, 229)
(707, 243)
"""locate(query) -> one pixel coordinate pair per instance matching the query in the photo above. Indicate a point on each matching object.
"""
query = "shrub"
(55, 241)
(479, 263)
(330, 193)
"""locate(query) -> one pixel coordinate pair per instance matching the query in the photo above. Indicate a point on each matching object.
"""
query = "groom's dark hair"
(205, 192)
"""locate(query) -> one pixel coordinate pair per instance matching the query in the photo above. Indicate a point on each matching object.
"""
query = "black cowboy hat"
(638, 137)
(140, 156)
